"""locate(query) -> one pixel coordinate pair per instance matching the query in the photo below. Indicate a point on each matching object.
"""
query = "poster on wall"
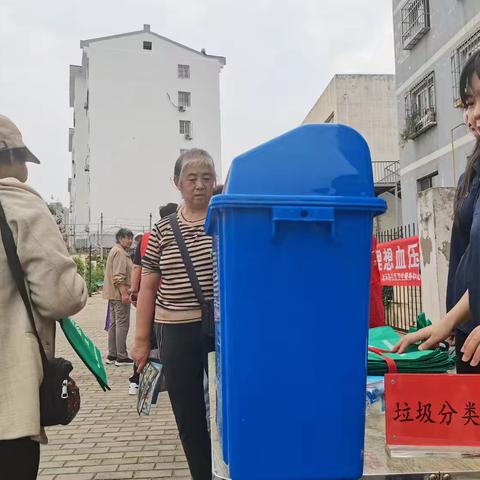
(399, 262)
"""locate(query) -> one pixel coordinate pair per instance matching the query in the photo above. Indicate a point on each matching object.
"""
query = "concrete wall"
(325, 106)
(133, 128)
(392, 217)
(435, 217)
(367, 103)
(452, 22)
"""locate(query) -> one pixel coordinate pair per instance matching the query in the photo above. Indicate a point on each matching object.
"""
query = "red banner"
(399, 262)
(432, 410)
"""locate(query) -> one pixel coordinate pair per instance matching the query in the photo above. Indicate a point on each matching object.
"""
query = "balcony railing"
(419, 121)
(385, 173)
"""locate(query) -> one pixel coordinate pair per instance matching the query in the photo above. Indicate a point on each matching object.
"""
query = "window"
(147, 45)
(331, 118)
(186, 127)
(458, 59)
(415, 22)
(420, 108)
(183, 99)
(183, 71)
(427, 182)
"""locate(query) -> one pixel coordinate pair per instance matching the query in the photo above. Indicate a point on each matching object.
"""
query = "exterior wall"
(80, 186)
(367, 103)
(392, 217)
(451, 24)
(325, 106)
(435, 217)
(132, 135)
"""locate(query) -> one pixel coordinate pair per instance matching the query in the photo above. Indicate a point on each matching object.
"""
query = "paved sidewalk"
(107, 439)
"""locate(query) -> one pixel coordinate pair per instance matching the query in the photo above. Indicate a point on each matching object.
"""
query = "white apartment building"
(139, 100)
(367, 103)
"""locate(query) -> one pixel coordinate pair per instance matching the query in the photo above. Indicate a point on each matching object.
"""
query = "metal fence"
(401, 304)
(385, 173)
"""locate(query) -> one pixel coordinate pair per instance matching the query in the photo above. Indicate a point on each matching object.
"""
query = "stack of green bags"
(412, 361)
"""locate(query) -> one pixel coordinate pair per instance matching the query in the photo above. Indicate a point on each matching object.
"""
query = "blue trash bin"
(292, 242)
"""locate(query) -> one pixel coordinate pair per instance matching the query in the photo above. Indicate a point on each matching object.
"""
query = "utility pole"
(101, 236)
(90, 270)
(150, 229)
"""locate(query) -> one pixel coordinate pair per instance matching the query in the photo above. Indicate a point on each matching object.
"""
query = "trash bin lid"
(320, 160)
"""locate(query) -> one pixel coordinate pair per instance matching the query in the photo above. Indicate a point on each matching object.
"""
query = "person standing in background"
(118, 274)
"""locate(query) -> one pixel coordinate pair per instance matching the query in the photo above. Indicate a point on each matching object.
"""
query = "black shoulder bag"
(208, 317)
(59, 394)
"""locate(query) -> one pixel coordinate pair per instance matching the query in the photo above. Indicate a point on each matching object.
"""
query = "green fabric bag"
(422, 322)
(86, 350)
(412, 361)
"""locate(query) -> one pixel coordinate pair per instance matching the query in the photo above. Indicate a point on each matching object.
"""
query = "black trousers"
(183, 350)
(463, 367)
(19, 459)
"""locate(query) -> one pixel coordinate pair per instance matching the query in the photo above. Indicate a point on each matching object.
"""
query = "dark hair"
(218, 189)
(168, 209)
(122, 233)
(471, 68)
(192, 154)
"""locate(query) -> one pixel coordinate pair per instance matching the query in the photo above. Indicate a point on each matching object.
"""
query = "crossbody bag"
(208, 317)
(59, 394)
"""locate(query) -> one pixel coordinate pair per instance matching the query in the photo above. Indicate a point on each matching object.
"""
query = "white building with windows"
(139, 100)
(433, 39)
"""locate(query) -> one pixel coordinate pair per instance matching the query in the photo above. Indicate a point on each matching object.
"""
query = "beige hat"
(11, 141)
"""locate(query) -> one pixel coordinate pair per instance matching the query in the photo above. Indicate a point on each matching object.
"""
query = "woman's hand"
(133, 297)
(471, 348)
(140, 353)
(432, 336)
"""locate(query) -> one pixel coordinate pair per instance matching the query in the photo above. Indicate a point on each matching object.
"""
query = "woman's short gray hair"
(194, 154)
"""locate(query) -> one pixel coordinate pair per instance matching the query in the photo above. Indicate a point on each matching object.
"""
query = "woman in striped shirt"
(175, 308)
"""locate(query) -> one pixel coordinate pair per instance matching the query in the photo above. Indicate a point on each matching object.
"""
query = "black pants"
(183, 353)
(463, 367)
(19, 459)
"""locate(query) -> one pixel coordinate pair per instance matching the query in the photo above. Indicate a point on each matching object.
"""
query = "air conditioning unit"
(188, 136)
(182, 109)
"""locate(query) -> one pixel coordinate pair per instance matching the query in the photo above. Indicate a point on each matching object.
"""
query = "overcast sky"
(281, 54)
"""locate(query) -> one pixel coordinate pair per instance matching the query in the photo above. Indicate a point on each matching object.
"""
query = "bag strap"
(19, 277)
(391, 365)
(192, 274)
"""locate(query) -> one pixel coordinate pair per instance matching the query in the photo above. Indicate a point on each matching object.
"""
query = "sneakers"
(110, 359)
(124, 362)
(133, 389)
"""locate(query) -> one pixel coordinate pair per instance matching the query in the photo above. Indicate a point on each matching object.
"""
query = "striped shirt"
(176, 301)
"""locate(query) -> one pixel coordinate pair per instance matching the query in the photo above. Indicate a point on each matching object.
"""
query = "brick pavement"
(107, 439)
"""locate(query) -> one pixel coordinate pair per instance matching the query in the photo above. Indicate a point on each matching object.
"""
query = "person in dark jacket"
(463, 289)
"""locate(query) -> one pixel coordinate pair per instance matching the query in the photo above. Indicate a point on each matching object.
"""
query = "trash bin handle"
(303, 214)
